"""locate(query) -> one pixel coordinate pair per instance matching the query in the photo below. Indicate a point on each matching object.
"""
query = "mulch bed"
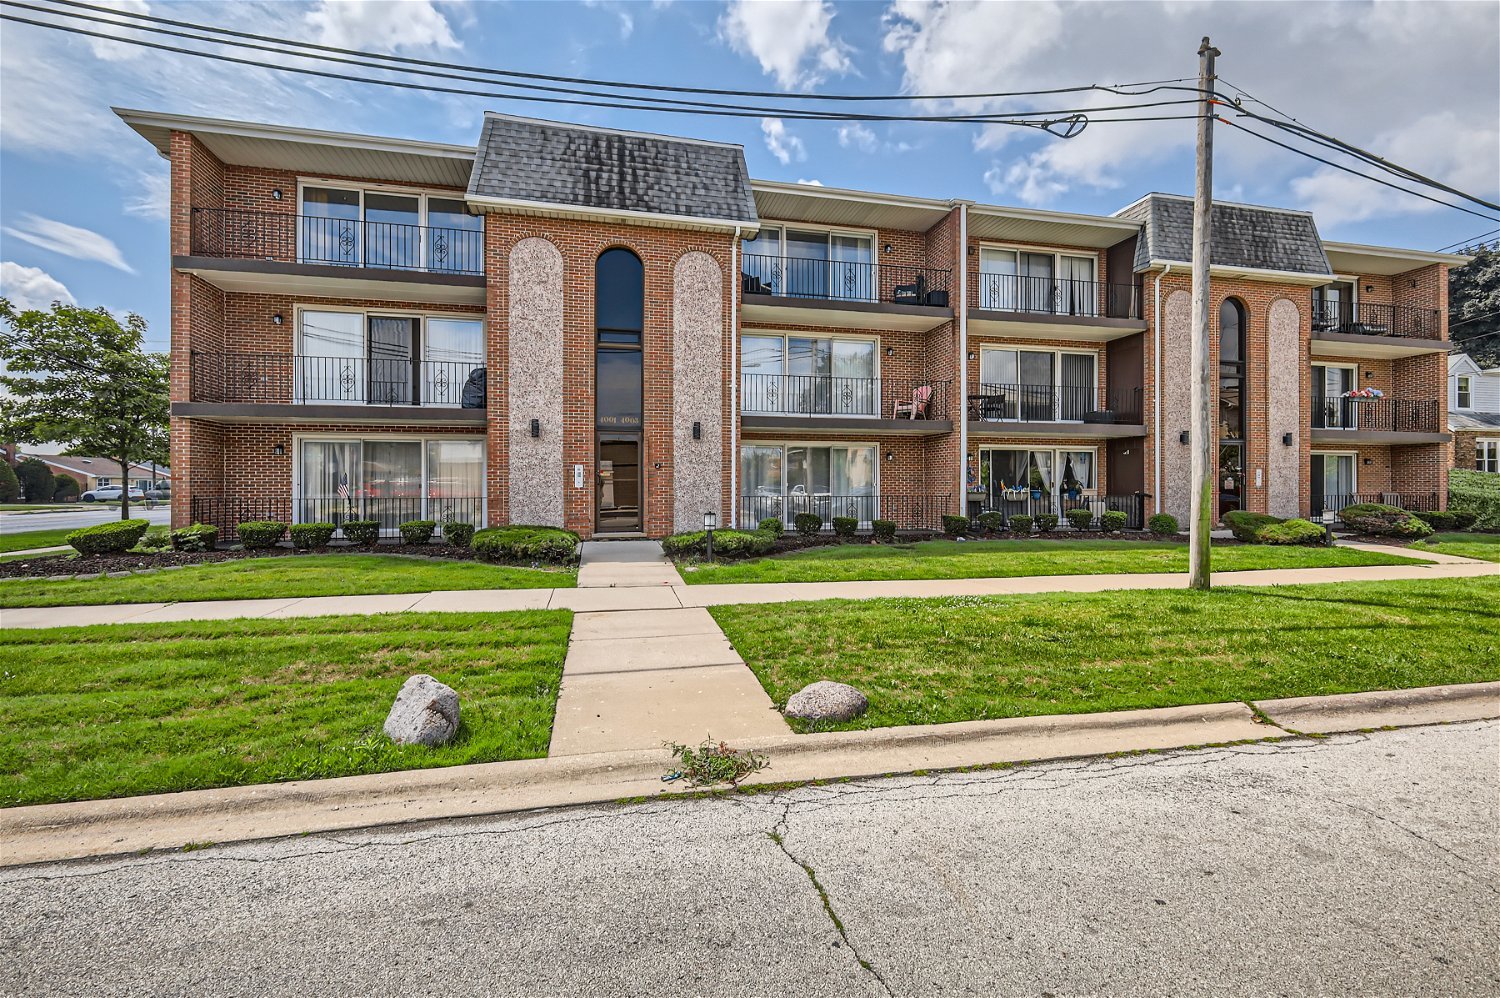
(91, 565)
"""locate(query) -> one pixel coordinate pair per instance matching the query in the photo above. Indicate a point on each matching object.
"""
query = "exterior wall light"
(886, 248)
(1286, 439)
(279, 450)
(1182, 437)
(890, 455)
(697, 431)
(710, 521)
(276, 319)
(536, 428)
(973, 355)
(890, 351)
(1369, 461)
(276, 194)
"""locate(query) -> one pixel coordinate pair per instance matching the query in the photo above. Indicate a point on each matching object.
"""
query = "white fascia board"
(1396, 253)
(1250, 273)
(487, 202)
(847, 194)
(286, 133)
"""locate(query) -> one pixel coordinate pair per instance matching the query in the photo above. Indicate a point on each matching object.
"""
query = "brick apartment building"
(616, 332)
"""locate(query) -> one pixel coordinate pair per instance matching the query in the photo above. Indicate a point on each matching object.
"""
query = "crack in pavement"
(1462, 869)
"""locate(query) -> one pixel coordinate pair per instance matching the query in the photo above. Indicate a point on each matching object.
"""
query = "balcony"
(845, 294)
(907, 511)
(281, 252)
(1358, 419)
(1416, 502)
(1361, 329)
(284, 386)
(1049, 307)
(375, 503)
(1054, 411)
(1042, 502)
(873, 405)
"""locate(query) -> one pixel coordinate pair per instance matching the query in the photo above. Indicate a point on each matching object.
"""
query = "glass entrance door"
(393, 355)
(618, 498)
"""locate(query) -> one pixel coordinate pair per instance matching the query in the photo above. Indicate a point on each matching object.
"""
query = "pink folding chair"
(921, 398)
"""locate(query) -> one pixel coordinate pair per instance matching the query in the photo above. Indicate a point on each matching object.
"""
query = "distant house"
(1474, 413)
(97, 472)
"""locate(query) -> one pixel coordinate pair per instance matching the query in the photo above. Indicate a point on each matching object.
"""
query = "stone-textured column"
(535, 378)
(1176, 405)
(1285, 414)
(697, 389)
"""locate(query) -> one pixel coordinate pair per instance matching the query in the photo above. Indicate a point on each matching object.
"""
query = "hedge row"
(526, 543)
(1476, 493)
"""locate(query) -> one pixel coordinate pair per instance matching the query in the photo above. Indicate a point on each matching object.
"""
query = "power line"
(1477, 318)
(1470, 241)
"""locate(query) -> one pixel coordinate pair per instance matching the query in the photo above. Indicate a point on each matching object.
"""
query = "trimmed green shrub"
(1445, 519)
(955, 526)
(742, 543)
(37, 483)
(417, 531)
(365, 533)
(261, 533)
(523, 542)
(114, 537)
(1246, 526)
(1476, 494)
(307, 536)
(1113, 520)
(156, 539)
(807, 524)
(684, 544)
(197, 537)
(772, 525)
(1020, 524)
(1162, 525)
(1046, 522)
(884, 530)
(1381, 520)
(10, 486)
(1079, 519)
(458, 534)
(993, 522)
(67, 489)
(845, 526)
(1291, 532)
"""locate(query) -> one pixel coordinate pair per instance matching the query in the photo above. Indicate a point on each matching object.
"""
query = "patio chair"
(921, 399)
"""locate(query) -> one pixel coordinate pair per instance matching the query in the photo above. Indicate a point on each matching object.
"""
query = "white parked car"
(111, 493)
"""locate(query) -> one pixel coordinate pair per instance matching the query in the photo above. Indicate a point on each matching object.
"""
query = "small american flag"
(344, 487)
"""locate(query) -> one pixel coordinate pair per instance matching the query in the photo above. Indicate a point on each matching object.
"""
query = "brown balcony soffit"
(327, 280)
(1329, 344)
(1332, 436)
(1045, 325)
(842, 314)
(848, 424)
(1097, 431)
(260, 412)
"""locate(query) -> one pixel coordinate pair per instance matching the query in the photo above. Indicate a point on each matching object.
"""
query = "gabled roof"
(1247, 237)
(1468, 420)
(1462, 363)
(94, 466)
(568, 170)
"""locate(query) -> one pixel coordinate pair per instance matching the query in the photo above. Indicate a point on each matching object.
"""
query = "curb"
(97, 829)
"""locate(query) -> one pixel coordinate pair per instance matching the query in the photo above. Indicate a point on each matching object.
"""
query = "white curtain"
(855, 391)
(997, 279)
(453, 349)
(331, 357)
(330, 481)
(1079, 295)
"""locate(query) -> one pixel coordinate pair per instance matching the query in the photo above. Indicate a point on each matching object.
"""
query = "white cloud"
(783, 145)
(153, 196)
(118, 51)
(68, 240)
(380, 26)
(810, 183)
(31, 287)
(859, 137)
(790, 39)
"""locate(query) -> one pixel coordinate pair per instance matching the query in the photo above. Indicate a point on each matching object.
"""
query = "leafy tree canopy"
(1474, 306)
(79, 375)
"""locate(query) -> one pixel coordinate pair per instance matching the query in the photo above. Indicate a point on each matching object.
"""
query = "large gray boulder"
(827, 701)
(425, 713)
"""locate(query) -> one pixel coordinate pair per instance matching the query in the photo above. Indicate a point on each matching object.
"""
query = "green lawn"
(120, 710)
(1485, 547)
(283, 576)
(929, 661)
(1006, 559)
(25, 540)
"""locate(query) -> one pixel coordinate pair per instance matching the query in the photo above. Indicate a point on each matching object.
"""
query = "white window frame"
(1057, 253)
(1463, 385)
(873, 235)
(1487, 452)
(298, 439)
(421, 315)
(1353, 456)
(799, 334)
(1353, 380)
(1057, 354)
(422, 194)
(784, 445)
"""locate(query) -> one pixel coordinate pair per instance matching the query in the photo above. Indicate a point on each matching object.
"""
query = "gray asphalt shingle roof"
(1243, 235)
(1473, 420)
(553, 163)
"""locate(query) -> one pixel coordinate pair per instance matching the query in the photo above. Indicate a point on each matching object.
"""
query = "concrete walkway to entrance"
(635, 678)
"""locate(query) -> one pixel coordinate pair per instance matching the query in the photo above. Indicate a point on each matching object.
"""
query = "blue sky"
(82, 199)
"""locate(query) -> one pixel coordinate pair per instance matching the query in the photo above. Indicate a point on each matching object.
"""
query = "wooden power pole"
(1201, 434)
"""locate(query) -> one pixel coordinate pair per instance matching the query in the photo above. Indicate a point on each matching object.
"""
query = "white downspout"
(961, 403)
(1156, 498)
(734, 381)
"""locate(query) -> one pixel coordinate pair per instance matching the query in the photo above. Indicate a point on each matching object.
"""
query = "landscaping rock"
(425, 713)
(827, 701)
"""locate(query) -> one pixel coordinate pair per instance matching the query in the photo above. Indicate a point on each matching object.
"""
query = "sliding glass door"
(782, 480)
(809, 375)
(811, 263)
(1038, 480)
(1035, 385)
(1013, 280)
(391, 480)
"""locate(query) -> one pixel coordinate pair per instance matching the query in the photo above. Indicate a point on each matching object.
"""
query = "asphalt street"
(1360, 864)
(85, 515)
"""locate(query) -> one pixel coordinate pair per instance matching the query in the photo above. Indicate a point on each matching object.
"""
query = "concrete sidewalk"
(51, 832)
(656, 595)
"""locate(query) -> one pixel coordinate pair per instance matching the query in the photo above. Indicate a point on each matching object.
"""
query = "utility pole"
(1202, 384)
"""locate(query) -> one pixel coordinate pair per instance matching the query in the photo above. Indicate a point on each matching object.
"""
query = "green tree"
(10, 486)
(67, 489)
(79, 375)
(37, 483)
(1474, 306)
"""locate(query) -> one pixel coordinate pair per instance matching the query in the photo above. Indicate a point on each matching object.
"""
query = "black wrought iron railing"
(284, 378)
(826, 395)
(1370, 319)
(837, 280)
(1390, 415)
(227, 512)
(1036, 502)
(1022, 403)
(342, 242)
(1057, 296)
(908, 512)
(1332, 502)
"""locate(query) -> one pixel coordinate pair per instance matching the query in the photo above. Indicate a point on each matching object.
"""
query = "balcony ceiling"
(783, 202)
(264, 277)
(1373, 347)
(841, 314)
(1040, 326)
(1048, 228)
(1354, 258)
(1056, 431)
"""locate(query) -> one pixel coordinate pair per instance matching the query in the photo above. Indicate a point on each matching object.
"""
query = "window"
(354, 357)
(1487, 455)
(619, 319)
(1333, 307)
(1031, 481)
(1034, 385)
(782, 480)
(354, 227)
(811, 263)
(1333, 482)
(1331, 383)
(1049, 282)
(102, 482)
(1232, 366)
(806, 374)
(1465, 393)
(390, 480)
